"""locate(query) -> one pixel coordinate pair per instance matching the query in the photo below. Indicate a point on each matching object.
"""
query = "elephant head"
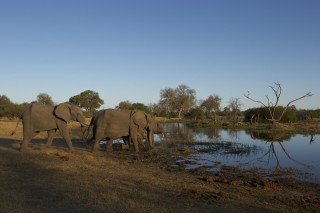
(142, 121)
(145, 122)
(69, 112)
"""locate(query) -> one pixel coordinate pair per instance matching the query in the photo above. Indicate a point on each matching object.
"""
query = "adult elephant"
(113, 124)
(39, 117)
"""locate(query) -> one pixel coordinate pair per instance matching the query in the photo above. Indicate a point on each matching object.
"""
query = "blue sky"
(131, 49)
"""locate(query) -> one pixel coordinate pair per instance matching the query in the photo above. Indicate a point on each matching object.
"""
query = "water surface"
(246, 149)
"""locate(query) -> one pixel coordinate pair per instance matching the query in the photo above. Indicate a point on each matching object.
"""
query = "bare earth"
(53, 180)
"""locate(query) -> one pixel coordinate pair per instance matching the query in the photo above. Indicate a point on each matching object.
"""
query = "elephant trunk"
(151, 138)
(83, 130)
(83, 125)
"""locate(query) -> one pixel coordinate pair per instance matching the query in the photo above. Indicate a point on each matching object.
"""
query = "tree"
(4, 100)
(88, 100)
(9, 109)
(272, 106)
(196, 114)
(235, 107)
(178, 101)
(158, 110)
(124, 105)
(261, 114)
(45, 99)
(186, 99)
(140, 106)
(212, 105)
(167, 100)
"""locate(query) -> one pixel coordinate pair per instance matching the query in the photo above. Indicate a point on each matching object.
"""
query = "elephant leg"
(98, 136)
(96, 144)
(65, 134)
(147, 145)
(28, 134)
(126, 143)
(24, 144)
(109, 145)
(50, 137)
(135, 143)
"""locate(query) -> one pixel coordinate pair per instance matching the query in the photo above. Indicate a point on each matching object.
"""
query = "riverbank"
(311, 126)
(53, 180)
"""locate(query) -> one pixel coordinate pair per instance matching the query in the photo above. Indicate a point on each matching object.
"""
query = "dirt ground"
(53, 180)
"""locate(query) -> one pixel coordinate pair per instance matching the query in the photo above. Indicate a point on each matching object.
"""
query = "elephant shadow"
(40, 144)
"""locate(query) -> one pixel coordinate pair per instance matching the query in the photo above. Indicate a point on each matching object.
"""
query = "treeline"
(261, 114)
(180, 102)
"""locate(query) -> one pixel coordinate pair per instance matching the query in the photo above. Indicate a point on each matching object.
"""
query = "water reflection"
(268, 136)
(273, 139)
(250, 149)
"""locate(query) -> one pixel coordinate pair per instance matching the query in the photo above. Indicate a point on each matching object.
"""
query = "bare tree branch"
(248, 96)
(277, 90)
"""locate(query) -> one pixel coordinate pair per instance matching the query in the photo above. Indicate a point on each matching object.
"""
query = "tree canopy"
(9, 109)
(45, 99)
(127, 105)
(88, 100)
(179, 100)
(211, 105)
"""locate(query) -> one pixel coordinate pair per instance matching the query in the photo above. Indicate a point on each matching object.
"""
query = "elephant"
(39, 117)
(115, 124)
(157, 129)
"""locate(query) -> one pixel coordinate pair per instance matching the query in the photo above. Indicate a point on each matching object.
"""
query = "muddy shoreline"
(123, 181)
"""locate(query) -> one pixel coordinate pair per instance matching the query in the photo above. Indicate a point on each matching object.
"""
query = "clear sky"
(131, 49)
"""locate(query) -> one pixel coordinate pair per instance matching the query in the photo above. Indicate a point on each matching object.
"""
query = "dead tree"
(272, 106)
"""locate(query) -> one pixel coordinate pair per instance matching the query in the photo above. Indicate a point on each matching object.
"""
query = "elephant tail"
(14, 131)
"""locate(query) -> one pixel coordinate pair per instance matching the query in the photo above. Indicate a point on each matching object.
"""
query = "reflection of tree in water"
(270, 136)
(234, 134)
(312, 139)
(209, 133)
(273, 138)
(179, 131)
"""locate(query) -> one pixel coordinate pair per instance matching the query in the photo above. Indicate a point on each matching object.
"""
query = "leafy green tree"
(10, 110)
(15, 110)
(4, 100)
(45, 99)
(196, 114)
(88, 100)
(124, 105)
(127, 105)
(140, 106)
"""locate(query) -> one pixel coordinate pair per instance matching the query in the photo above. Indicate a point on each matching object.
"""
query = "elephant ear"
(62, 111)
(149, 118)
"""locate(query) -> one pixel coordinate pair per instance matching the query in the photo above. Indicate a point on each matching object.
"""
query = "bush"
(12, 110)
(262, 114)
(196, 114)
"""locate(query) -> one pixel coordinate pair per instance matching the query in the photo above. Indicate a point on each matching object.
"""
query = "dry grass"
(53, 180)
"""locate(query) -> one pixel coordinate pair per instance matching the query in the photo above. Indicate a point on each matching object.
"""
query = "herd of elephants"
(109, 124)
